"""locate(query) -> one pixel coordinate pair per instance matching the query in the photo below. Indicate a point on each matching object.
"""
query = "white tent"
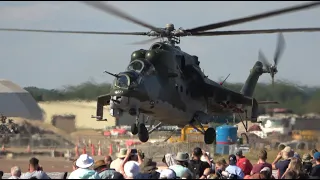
(17, 102)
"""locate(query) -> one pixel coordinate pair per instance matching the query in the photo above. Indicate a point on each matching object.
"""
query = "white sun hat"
(131, 169)
(84, 161)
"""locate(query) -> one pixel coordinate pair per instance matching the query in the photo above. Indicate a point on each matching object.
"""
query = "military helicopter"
(167, 84)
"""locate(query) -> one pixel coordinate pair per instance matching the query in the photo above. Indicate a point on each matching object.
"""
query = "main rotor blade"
(74, 32)
(263, 59)
(145, 41)
(279, 49)
(254, 17)
(116, 12)
(259, 31)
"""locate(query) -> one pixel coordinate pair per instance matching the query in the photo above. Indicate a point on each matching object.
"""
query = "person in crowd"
(186, 175)
(83, 163)
(15, 172)
(108, 160)
(167, 174)
(264, 173)
(295, 166)
(312, 153)
(307, 163)
(233, 168)
(181, 165)
(102, 168)
(315, 172)
(168, 160)
(34, 170)
(243, 163)
(296, 155)
(282, 165)
(197, 166)
(115, 164)
(129, 167)
(1, 174)
(262, 162)
(148, 170)
(74, 166)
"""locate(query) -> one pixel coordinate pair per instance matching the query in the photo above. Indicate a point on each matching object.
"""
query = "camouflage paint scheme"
(171, 88)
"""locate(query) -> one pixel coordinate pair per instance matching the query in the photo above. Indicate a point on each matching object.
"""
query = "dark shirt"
(307, 167)
(152, 175)
(282, 167)
(257, 167)
(195, 164)
(315, 172)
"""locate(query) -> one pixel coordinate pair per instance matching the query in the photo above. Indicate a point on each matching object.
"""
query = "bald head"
(16, 171)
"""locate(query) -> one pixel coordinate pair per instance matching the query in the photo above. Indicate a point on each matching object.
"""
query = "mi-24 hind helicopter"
(167, 84)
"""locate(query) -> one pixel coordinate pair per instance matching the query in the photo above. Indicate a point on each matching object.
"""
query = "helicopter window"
(123, 81)
(136, 65)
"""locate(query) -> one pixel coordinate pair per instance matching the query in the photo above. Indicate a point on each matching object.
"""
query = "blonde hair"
(295, 166)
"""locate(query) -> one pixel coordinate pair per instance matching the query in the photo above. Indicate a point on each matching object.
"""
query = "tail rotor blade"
(263, 59)
(279, 49)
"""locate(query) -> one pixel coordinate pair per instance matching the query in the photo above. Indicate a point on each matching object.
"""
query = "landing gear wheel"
(245, 138)
(210, 136)
(134, 129)
(143, 133)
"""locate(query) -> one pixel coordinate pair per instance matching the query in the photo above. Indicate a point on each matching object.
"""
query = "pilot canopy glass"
(123, 81)
(141, 66)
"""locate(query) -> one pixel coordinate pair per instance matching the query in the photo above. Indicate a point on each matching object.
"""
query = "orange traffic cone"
(92, 150)
(118, 148)
(28, 149)
(76, 151)
(84, 150)
(99, 151)
(110, 149)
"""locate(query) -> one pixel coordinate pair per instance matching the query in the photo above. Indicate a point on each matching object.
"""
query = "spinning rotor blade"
(259, 31)
(116, 12)
(254, 17)
(263, 59)
(145, 41)
(75, 32)
(279, 49)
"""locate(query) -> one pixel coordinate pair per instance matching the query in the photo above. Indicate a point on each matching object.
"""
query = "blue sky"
(53, 60)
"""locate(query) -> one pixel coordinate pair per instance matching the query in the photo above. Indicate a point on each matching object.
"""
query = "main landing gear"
(140, 129)
(209, 134)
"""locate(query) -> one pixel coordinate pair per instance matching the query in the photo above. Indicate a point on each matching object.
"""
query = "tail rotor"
(269, 68)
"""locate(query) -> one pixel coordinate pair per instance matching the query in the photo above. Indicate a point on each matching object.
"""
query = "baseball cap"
(232, 159)
(316, 156)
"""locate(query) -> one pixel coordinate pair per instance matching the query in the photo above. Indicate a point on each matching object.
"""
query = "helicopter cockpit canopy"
(141, 66)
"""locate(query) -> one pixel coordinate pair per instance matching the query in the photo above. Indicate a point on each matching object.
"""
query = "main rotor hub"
(170, 27)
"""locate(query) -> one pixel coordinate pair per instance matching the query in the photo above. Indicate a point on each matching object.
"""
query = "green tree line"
(299, 99)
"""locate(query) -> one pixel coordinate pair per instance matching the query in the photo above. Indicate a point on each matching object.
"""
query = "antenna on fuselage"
(221, 83)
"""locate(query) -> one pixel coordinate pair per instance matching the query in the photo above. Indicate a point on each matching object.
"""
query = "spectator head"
(291, 175)
(122, 153)
(34, 164)
(168, 159)
(148, 166)
(296, 155)
(239, 154)
(84, 161)
(168, 174)
(313, 151)
(197, 152)
(316, 156)
(295, 165)
(266, 172)
(117, 175)
(108, 160)
(287, 152)
(131, 169)
(232, 159)
(182, 158)
(263, 155)
(306, 158)
(99, 165)
(221, 164)
(16, 171)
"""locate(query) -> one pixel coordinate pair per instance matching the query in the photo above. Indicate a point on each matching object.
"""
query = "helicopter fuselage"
(157, 83)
